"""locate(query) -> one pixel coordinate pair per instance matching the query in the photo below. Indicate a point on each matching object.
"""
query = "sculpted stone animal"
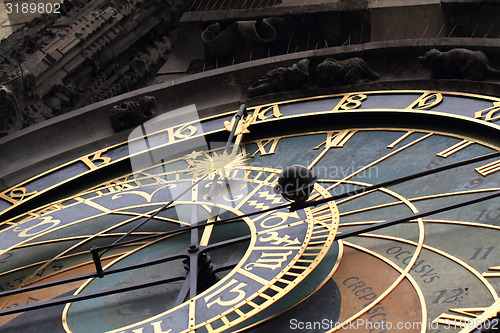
(131, 113)
(348, 71)
(281, 79)
(458, 63)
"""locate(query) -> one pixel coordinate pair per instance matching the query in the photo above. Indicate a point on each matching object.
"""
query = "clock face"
(188, 268)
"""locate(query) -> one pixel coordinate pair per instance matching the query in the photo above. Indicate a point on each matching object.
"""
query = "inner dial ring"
(405, 272)
(270, 268)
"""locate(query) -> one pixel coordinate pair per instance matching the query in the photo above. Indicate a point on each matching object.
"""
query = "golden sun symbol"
(214, 164)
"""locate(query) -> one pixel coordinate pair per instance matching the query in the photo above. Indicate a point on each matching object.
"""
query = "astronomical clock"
(398, 230)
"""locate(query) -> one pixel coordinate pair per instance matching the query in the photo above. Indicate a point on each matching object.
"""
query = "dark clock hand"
(195, 255)
(169, 258)
(164, 207)
(302, 205)
(343, 235)
(415, 216)
(110, 291)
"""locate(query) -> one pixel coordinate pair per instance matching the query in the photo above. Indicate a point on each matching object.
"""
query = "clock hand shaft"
(101, 293)
(82, 277)
(241, 111)
(182, 255)
(155, 213)
(82, 297)
(301, 205)
(385, 224)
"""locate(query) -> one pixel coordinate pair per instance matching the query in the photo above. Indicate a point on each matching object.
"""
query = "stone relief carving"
(131, 114)
(330, 72)
(458, 63)
(340, 72)
(281, 79)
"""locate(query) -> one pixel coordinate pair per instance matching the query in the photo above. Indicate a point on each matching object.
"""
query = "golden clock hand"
(300, 205)
(293, 206)
(241, 111)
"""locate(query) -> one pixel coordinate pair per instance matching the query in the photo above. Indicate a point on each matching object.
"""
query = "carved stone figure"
(131, 114)
(348, 71)
(458, 63)
(281, 79)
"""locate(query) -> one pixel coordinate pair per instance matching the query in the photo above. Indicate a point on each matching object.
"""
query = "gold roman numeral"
(271, 144)
(334, 139)
(489, 168)
(465, 317)
(401, 138)
(455, 148)
(496, 272)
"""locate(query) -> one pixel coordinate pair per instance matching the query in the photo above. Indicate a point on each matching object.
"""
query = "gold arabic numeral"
(237, 293)
(426, 101)
(46, 224)
(269, 260)
(467, 317)
(95, 160)
(266, 112)
(271, 145)
(489, 168)
(489, 114)
(349, 102)
(177, 133)
(16, 195)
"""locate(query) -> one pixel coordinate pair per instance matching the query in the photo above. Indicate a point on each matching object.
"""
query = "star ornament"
(217, 164)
